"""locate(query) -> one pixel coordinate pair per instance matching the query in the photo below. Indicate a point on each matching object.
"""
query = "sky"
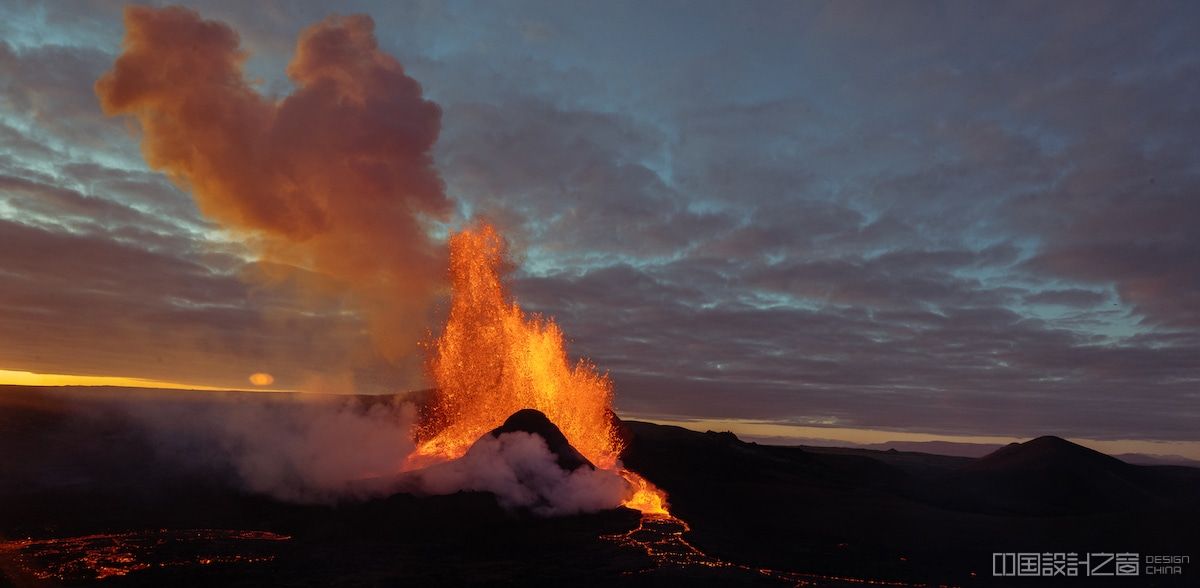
(958, 219)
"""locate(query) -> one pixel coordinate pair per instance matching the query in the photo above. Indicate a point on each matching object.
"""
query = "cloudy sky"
(949, 219)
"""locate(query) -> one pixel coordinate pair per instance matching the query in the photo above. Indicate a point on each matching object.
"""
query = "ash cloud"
(335, 178)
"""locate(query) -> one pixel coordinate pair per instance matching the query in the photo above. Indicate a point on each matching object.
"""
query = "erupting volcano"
(357, 221)
(492, 360)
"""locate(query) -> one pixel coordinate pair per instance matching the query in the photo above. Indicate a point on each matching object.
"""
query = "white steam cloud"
(522, 472)
(327, 449)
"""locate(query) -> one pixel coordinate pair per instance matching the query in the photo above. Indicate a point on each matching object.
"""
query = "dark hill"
(1048, 476)
(909, 516)
(535, 422)
(1048, 452)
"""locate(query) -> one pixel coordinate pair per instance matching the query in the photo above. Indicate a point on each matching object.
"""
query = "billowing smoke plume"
(336, 178)
(326, 448)
(308, 448)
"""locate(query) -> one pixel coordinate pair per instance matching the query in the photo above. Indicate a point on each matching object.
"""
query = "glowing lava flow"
(96, 557)
(661, 537)
(646, 498)
(492, 360)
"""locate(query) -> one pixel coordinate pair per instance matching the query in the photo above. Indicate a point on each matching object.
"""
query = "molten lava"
(492, 360)
(646, 497)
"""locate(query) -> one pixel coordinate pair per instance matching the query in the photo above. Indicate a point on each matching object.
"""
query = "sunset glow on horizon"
(261, 379)
(25, 378)
(788, 434)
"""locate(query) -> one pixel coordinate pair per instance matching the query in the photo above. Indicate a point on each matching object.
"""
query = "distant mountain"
(1157, 460)
(911, 516)
(1050, 476)
(1047, 453)
(938, 447)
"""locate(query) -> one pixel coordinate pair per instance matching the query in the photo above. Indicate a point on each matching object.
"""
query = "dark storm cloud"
(895, 279)
(16, 142)
(48, 87)
(64, 204)
(958, 218)
(142, 189)
(968, 371)
(574, 183)
(1127, 231)
(1068, 297)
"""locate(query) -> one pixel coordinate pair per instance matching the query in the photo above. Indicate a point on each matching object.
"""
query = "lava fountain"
(492, 359)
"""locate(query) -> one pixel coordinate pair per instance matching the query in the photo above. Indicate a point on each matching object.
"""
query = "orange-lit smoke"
(335, 178)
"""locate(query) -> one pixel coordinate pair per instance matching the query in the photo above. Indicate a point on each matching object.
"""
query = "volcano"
(529, 465)
(493, 359)
(535, 422)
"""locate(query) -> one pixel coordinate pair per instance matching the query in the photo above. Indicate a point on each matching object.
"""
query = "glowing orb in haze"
(262, 379)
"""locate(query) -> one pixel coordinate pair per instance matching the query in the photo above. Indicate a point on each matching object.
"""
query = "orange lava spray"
(492, 360)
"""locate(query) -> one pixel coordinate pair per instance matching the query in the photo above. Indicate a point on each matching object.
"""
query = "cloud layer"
(955, 218)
